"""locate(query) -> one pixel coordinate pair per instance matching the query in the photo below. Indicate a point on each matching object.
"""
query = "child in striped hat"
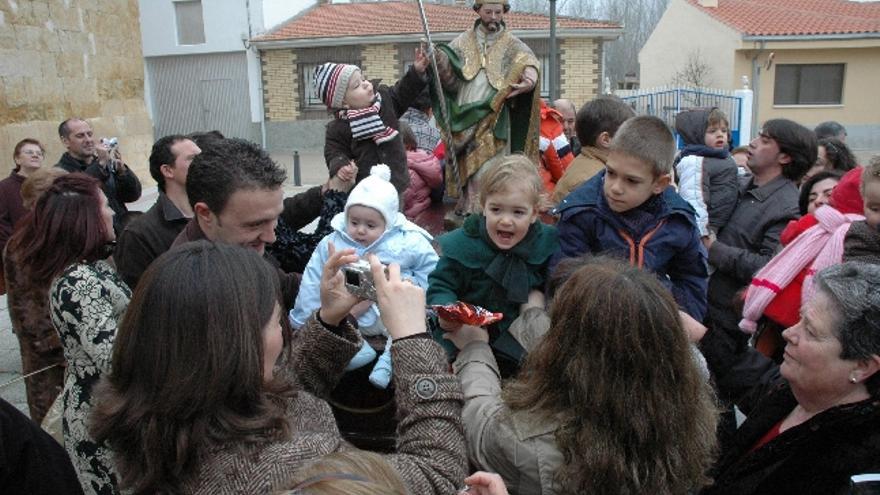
(365, 128)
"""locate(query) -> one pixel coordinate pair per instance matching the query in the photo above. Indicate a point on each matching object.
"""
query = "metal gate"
(667, 102)
(201, 93)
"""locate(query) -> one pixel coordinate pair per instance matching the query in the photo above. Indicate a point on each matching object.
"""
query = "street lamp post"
(553, 67)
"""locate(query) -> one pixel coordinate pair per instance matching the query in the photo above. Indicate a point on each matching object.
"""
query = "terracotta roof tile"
(402, 17)
(796, 17)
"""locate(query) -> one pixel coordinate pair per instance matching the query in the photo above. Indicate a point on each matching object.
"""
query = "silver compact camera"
(359, 279)
(110, 143)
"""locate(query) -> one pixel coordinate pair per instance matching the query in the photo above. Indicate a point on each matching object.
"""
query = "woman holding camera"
(196, 403)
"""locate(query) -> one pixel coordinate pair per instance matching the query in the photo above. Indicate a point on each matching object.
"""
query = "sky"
(278, 11)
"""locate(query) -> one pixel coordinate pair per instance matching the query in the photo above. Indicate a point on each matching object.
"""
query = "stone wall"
(63, 58)
(580, 69)
(280, 85)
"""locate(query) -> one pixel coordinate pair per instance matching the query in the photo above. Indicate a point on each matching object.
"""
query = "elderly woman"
(814, 421)
(198, 401)
(610, 400)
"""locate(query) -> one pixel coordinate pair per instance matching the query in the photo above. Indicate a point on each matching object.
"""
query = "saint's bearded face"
(491, 16)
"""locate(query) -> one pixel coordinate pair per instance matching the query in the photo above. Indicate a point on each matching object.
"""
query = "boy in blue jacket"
(628, 210)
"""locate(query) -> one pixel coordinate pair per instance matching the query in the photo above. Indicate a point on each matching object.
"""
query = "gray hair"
(854, 287)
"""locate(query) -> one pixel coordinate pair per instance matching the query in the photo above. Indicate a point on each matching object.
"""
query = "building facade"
(74, 58)
(805, 60)
(381, 38)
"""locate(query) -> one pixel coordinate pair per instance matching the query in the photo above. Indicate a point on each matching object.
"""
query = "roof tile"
(402, 17)
(796, 17)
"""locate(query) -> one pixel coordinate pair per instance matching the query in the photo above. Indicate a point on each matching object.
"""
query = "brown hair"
(21, 144)
(37, 183)
(649, 139)
(512, 171)
(615, 370)
(716, 117)
(187, 369)
(353, 472)
(871, 173)
(65, 226)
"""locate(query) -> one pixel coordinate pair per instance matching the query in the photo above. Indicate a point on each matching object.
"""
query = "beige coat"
(519, 446)
(590, 162)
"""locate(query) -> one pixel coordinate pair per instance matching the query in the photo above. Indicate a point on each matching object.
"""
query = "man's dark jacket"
(120, 187)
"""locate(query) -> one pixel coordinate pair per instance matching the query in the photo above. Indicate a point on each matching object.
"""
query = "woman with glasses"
(28, 157)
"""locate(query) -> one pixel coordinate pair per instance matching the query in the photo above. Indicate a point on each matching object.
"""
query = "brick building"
(381, 38)
(73, 58)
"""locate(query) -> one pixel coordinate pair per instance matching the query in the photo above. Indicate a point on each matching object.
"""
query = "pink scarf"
(821, 245)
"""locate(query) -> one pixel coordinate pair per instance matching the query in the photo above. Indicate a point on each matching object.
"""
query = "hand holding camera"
(108, 153)
(401, 303)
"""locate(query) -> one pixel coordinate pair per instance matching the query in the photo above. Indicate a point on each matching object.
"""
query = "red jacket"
(556, 153)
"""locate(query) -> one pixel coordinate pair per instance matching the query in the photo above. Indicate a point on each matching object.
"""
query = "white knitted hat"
(377, 192)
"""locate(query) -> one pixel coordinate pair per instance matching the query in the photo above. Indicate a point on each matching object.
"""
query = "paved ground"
(312, 171)
(10, 362)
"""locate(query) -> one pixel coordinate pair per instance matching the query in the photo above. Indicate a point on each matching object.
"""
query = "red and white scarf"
(821, 245)
(366, 123)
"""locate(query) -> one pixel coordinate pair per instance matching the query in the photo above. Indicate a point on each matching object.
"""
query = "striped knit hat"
(331, 82)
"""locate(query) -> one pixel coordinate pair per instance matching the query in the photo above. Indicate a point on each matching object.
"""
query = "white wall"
(683, 29)
(226, 22)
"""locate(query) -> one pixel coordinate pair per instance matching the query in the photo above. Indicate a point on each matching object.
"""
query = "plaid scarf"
(366, 123)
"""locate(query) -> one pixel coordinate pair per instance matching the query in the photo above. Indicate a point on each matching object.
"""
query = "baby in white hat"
(371, 223)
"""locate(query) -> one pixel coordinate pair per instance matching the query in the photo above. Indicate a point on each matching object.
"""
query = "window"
(814, 84)
(545, 76)
(190, 25)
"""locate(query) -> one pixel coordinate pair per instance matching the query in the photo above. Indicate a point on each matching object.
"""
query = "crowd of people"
(603, 306)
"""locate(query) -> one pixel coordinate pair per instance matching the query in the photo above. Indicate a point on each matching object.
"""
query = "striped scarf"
(366, 123)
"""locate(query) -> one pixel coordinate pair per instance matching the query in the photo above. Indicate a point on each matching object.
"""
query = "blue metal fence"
(666, 103)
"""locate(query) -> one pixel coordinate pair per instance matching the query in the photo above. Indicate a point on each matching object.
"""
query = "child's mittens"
(381, 374)
(363, 357)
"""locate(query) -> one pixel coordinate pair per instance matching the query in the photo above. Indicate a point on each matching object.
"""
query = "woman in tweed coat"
(207, 396)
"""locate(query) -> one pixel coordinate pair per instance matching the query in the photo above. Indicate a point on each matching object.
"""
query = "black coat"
(818, 456)
(120, 187)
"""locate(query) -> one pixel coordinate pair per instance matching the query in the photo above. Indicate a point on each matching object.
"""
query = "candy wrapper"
(466, 313)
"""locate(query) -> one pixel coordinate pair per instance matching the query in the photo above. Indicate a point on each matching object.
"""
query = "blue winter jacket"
(403, 242)
(669, 246)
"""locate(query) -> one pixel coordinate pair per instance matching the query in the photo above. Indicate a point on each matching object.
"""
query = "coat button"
(426, 388)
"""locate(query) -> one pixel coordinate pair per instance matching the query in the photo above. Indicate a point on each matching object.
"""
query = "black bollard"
(297, 174)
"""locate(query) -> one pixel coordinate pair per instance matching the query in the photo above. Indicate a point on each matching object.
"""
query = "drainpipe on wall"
(262, 100)
(756, 86)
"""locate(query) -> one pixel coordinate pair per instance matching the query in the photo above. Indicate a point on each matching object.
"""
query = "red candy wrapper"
(466, 313)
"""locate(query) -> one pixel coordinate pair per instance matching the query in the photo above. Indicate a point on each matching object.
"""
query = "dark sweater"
(31, 461)
(11, 209)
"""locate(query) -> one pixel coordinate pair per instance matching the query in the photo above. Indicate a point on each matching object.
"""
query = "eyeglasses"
(31, 153)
